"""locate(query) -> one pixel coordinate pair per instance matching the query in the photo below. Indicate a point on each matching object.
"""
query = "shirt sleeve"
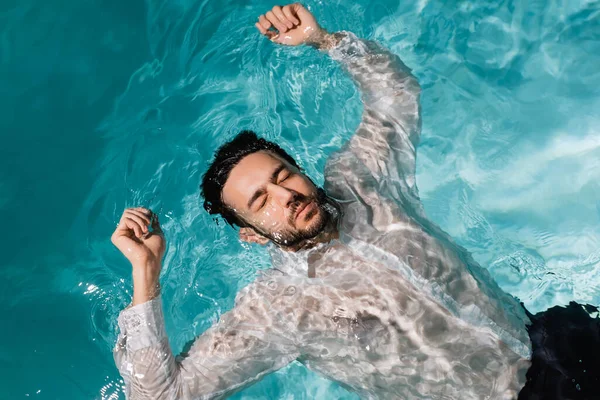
(386, 139)
(239, 350)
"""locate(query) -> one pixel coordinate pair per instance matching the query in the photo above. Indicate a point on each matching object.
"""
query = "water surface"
(107, 105)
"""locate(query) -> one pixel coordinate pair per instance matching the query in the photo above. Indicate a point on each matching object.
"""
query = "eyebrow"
(259, 192)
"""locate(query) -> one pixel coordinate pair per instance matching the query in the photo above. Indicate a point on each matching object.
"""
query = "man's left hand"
(293, 24)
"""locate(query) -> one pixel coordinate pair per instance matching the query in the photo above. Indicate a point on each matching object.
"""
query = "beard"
(326, 214)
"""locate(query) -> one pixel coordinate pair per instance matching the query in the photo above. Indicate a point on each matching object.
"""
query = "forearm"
(143, 355)
(371, 65)
(387, 86)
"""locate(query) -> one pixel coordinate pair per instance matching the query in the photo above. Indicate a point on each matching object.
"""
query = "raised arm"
(239, 350)
(388, 134)
(386, 140)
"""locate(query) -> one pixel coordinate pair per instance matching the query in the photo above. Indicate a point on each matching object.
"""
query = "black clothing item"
(566, 354)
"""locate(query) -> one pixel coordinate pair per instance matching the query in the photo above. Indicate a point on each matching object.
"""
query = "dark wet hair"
(227, 157)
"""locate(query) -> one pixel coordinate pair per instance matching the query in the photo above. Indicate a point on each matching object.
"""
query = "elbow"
(411, 85)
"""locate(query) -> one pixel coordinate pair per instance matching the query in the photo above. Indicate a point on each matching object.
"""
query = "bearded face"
(275, 199)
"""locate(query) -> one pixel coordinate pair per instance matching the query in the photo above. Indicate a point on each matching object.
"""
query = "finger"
(140, 221)
(146, 218)
(276, 22)
(121, 225)
(260, 28)
(297, 7)
(144, 210)
(264, 22)
(290, 15)
(282, 18)
(263, 26)
(299, 10)
(134, 226)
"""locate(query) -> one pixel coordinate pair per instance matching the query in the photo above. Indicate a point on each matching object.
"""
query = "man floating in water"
(365, 289)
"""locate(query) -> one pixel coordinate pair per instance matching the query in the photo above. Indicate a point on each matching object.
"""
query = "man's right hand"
(135, 241)
(143, 248)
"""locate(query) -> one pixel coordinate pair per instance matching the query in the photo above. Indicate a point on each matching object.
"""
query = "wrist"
(323, 40)
(146, 284)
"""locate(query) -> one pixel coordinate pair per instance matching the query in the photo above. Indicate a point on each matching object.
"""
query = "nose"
(283, 196)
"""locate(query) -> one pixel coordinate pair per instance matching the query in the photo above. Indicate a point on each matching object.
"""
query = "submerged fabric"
(566, 354)
(393, 309)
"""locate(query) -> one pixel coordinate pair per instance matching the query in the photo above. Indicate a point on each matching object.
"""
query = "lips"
(302, 209)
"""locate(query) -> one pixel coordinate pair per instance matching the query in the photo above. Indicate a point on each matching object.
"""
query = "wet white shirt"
(392, 309)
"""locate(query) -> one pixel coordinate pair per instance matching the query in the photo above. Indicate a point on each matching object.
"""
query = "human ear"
(249, 235)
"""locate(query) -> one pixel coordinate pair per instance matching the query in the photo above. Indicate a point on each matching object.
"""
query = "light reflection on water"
(123, 105)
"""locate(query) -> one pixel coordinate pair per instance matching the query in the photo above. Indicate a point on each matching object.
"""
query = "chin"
(315, 224)
(304, 234)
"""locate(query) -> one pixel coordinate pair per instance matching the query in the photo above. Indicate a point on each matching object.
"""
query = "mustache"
(302, 200)
(331, 211)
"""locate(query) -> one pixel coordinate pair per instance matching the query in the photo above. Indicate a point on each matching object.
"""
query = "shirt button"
(135, 322)
(290, 291)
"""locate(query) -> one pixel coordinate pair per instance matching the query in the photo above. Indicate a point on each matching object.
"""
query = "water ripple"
(508, 164)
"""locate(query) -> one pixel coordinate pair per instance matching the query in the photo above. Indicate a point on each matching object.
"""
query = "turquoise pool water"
(112, 104)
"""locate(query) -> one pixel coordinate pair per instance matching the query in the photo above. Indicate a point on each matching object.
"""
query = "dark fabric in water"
(566, 354)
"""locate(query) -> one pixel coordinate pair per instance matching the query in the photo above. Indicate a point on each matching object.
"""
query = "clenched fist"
(135, 241)
(143, 248)
(294, 25)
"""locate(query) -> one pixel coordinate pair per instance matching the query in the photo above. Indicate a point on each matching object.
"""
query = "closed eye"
(262, 204)
(288, 174)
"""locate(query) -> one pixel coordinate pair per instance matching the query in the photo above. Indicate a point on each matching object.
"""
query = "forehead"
(249, 175)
